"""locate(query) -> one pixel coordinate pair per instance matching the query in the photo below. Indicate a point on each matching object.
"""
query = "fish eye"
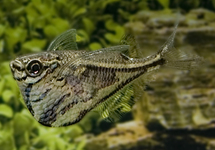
(34, 68)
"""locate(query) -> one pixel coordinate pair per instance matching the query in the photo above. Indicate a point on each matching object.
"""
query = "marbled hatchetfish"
(61, 85)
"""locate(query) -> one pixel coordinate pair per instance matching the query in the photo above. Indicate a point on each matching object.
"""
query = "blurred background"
(177, 109)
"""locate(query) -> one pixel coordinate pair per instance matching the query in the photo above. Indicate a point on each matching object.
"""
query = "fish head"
(32, 68)
(33, 74)
(50, 97)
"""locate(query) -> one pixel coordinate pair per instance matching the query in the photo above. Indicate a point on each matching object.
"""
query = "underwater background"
(177, 109)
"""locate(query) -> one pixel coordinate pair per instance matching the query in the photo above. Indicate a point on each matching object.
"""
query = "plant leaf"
(6, 111)
(35, 45)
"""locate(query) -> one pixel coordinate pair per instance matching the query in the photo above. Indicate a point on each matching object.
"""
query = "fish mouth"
(16, 65)
(17, 69)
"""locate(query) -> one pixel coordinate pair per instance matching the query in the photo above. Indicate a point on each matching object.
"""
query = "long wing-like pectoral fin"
(115, 106)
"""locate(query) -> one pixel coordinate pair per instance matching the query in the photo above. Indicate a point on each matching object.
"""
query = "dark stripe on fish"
(153, 64)
(48, 117)
(42, 96)
(27, 98)
(20, 79)
(69, 106)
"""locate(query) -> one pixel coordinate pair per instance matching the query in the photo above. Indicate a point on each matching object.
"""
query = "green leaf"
(164, 3)
(7, 140)
(12, 85)
(111, 25)
(35, 45)
(56, 27)
(19, 10)
(2, 29)
(24, 147)
(95, 46)
(6, 111)
(120, 31)
(89, 26)
(36, 2)
(15, 35)
(61, 24)
(73, 132)
(45, 10)
(22, 123)
(115, 38)
(5, 69)
(111, 37)
(51, 31)
(78, 38)
(81, 145)
(2, 84)
(1, 45)
(7, 95)
(80, 11)
(23, 138)
(32, 14)
(83, 34)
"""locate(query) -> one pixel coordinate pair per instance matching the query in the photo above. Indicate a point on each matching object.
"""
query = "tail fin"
(177, 58)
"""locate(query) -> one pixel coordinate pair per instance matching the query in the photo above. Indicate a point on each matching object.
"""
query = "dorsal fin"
(129, 39)
(65, 41)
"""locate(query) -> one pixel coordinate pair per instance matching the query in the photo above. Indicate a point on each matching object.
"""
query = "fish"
(61, 85)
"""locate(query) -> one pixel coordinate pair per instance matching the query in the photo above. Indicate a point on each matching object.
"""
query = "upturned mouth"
(16, 65)
(17, 69)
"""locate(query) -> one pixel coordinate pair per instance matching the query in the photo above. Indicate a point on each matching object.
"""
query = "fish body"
(60, 87)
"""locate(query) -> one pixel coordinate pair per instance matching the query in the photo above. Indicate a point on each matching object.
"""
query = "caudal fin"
(181, 59)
